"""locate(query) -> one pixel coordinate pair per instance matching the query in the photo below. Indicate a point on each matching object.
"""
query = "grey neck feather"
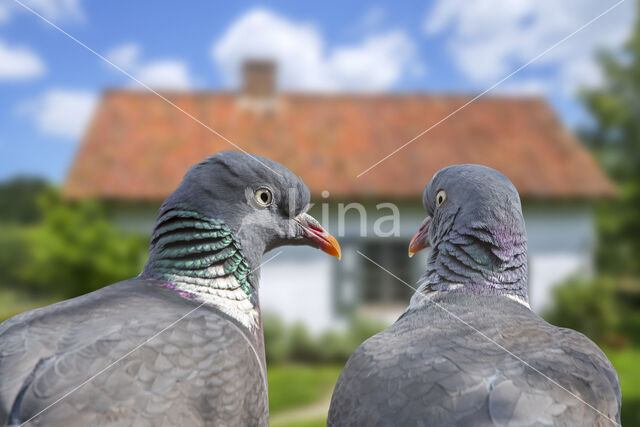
(477, 260)
(200, 258)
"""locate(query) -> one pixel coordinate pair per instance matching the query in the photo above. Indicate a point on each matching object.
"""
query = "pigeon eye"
(441, 197)
(263, 196)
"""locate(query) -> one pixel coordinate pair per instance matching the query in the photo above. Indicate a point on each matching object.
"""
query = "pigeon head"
(461, 197)
(262, 202)
(475, 227)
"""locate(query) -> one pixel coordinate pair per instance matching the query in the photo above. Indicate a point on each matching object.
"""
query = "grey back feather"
(431, 369)
(204, 370)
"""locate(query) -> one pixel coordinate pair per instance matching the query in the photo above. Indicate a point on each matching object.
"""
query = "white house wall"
(296, 286)
(306, 285)
(561, 243)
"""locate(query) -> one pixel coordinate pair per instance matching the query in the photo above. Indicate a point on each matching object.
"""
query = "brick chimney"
(259, 79)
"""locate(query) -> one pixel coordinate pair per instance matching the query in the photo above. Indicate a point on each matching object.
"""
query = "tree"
(18, 199)
(76, 249)
(614, 137)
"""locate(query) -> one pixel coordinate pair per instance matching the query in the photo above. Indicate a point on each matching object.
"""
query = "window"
(379, 287)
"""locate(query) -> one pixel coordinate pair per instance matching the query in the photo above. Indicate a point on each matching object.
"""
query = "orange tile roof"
(139, 147)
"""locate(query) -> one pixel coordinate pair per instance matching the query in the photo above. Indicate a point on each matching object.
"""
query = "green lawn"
(294, 386)
(313, 422)
(626, 363)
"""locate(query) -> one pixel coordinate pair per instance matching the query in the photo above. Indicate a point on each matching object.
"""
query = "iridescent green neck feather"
(199, 257)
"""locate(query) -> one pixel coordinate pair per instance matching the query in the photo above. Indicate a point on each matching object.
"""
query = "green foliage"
(296, 344)
(75, 249)
(18, 200)
(588, 306)
(292, 386)
(302, 346)
(615, 139)
(276, 340)
(336, 347)
(13, 254)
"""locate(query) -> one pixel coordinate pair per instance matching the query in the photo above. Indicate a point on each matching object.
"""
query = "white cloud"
(126, 55)
(55, 10)
(159, 74)
(19, 63)
(165, 74)
(530, 86)
(489, 39)
(61, 112)
(376, 63)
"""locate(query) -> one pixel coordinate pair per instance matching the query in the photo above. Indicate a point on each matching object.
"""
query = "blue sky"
(49, 84)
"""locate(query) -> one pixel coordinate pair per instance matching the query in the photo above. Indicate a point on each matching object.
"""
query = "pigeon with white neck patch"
(468, 350)
(182, 343)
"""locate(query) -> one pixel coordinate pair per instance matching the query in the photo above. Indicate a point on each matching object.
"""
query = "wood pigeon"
(468, 350)
(186, 334)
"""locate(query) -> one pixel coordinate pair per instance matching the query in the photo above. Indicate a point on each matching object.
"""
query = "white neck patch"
(224, 293)
(519, 300)
(420, 297)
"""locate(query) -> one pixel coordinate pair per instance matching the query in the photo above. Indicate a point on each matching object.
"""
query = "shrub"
(336, 347)
(587, 305)
(275, 337)
(295, 344)
(18, 199)
(302, 346)
(13, 255)
(75, 249)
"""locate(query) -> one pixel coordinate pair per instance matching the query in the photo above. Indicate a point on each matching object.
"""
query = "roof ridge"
(312, 94)
(137, 147)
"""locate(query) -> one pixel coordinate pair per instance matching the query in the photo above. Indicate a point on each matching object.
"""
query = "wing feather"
(429, 368)
(202, 370)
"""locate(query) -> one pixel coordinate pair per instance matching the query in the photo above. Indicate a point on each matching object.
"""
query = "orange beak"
(318, 235)
(421, 238)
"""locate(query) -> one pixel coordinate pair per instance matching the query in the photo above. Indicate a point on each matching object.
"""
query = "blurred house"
(138, 147)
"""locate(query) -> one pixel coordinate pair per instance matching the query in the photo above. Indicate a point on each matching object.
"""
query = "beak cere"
(421, 239)
(318, 235)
